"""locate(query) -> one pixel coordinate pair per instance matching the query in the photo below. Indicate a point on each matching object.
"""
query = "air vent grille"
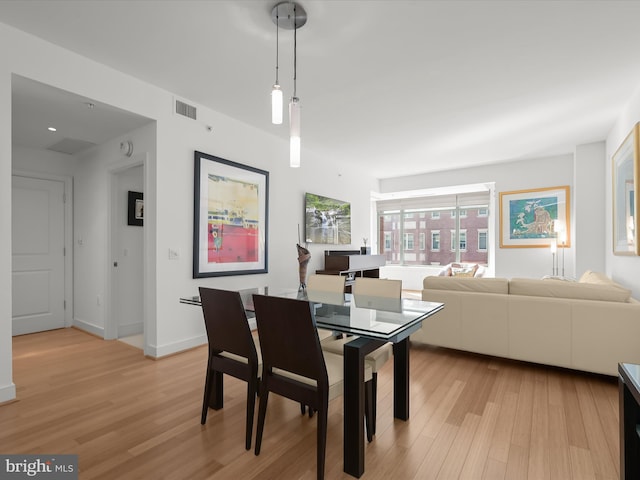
(185, 109)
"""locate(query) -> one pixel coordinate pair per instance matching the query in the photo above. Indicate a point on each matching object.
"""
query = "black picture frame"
(230, 218)
(135, 209)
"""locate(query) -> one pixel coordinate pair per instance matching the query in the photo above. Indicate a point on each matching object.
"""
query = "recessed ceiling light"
(51, 129)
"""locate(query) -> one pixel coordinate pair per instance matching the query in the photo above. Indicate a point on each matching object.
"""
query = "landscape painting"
(327, 220)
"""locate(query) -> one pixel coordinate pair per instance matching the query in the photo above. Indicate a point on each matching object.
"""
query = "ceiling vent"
(186, 110)
(71, 146)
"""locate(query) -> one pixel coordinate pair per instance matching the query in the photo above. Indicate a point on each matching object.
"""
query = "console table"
(629, 397)
(351, 264)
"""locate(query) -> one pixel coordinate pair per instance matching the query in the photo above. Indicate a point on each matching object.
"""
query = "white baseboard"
(7, 393)
(89, 327)
(156, 351)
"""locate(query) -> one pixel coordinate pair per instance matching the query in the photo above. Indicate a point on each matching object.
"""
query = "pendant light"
(291, 16)
(294, 105)
(276, 91)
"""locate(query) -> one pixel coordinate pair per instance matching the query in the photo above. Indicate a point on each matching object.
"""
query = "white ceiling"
(398, 87)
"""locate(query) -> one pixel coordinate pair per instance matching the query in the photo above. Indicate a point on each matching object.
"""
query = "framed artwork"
(625, 201)
(535, 218)
(135, 209)
(327, 220)
(230, 221)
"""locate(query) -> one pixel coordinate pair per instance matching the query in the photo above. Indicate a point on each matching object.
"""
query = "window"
(408, 241)
(435, 241)
(463, 240)
(434, 228)
(483, 212)
(482, 239)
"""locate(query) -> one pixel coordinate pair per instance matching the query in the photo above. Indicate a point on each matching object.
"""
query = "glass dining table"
(372, 322)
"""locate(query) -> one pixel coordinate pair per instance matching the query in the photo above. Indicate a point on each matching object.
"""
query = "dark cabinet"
(351, 264)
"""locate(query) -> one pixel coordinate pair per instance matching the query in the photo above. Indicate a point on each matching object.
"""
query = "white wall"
(43, 161)
(508, 176)
(92, 243)
(623, 269)
(589, 207)
(168, 196)
(7, 387)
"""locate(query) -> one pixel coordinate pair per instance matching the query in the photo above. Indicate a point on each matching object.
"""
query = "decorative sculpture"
(303, 260)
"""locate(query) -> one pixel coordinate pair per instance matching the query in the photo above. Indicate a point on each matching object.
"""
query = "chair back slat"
(226, 322)
(326, 283)
(288, 337)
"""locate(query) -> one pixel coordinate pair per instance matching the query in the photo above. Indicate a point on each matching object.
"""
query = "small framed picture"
(135, 204)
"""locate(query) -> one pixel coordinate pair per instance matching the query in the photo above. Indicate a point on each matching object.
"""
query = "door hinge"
(64, 304)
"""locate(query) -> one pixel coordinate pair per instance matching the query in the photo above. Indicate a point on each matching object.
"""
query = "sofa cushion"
(597, 278)
(572, 290)
(467, 284)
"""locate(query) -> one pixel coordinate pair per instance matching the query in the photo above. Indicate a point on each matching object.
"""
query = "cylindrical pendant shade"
(294, 132)
(276, 105)
(294, 152)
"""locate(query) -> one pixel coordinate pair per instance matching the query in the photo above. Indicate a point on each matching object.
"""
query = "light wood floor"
(472, 417)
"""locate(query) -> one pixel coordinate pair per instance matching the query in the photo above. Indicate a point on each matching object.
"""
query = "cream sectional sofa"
(588, 325)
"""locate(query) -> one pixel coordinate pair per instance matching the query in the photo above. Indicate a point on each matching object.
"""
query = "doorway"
(125, 318)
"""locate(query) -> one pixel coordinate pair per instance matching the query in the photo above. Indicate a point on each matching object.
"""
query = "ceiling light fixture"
(276, 91)
(291, 16)
(52, 129)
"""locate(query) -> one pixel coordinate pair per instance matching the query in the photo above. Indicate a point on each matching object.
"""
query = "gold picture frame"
(535, 218)
(625, 203)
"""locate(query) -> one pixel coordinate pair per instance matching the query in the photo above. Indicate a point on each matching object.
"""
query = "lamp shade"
(294, 132)
(276, 104)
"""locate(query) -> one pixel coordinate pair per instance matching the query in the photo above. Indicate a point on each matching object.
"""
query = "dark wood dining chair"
(232, 350)
(295, 367)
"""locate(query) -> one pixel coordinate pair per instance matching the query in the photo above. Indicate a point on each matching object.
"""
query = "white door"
(38, 277)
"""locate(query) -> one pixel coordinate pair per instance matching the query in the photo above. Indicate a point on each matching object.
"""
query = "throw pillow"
(469, 271)
(465, 273)
(597, 278)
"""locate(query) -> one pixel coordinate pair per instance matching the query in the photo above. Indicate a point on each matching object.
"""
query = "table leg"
(401, 379)
(629, 412)
(354, 353)
(354, 408)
